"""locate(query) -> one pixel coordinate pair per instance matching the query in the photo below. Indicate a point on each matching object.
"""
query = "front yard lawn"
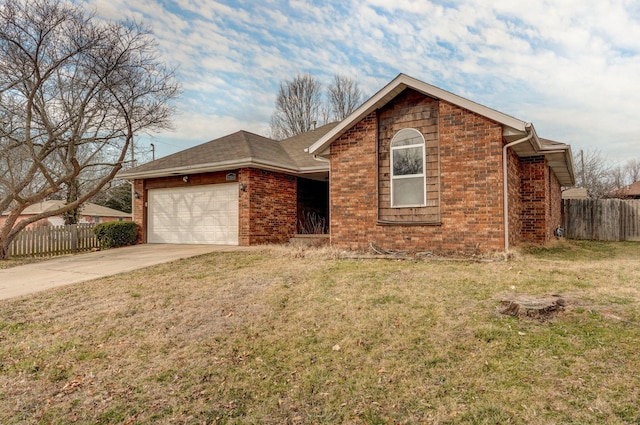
(301, 337)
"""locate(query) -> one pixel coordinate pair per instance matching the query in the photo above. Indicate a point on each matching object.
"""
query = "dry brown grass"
(295, 335)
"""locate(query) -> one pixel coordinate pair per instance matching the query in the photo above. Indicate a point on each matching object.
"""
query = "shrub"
(113, 234)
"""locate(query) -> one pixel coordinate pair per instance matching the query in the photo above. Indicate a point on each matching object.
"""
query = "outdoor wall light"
(136, 195)
(185, 179)
(243, 187)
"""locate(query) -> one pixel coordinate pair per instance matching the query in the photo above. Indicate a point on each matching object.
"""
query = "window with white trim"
(408, 169)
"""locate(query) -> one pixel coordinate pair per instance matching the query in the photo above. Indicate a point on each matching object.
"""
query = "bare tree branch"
(300, 106)
(344, 97)
(632, 171)
(594, 174)
(297, 107)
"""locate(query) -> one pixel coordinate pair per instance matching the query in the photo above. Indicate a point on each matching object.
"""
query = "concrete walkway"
(31, 278)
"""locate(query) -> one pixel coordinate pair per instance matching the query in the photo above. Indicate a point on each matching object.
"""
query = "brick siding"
(536, 207)
(470, 181)
(138, 210)
(268, 208)
(514, 177)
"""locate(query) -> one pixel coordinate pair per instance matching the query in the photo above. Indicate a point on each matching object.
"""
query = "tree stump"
(533, 307)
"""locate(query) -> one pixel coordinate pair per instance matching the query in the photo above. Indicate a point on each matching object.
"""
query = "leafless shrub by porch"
(312, 223)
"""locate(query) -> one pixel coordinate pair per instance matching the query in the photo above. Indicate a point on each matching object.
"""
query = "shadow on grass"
(583, 250)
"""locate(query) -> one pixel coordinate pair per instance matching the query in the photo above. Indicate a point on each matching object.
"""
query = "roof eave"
(309, 170)
(222, 166)
(562, 169)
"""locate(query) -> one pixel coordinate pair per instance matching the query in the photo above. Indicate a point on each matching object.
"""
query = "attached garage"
(206, 214)
(240, 189)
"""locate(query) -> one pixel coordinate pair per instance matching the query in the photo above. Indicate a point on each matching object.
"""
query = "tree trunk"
(540, 308)
(72, 216)
(4, 249)
(6, 236)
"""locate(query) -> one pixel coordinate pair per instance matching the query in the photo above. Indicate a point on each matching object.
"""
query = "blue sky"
(572, 67)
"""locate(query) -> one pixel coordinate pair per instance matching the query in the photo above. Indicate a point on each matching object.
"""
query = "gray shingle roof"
(238, 149)
(295, 146)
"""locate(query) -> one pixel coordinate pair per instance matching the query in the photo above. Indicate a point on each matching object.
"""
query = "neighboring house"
(575, 193)
(631, 191)
(89, 213)
(414, 168)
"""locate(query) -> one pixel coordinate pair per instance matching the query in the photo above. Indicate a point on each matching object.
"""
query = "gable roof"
(394, 88)
(558, 154)
(86, 209)
(237, 150)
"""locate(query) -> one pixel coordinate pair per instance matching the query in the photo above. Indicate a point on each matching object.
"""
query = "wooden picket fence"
(602, 219)
(47, 241)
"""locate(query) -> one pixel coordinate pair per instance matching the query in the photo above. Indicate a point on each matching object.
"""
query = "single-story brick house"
(89, 213)
(414, 168)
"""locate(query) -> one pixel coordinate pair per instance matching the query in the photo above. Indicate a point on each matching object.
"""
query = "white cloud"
(571, 67)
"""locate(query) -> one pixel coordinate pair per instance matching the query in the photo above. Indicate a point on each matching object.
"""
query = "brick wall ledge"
(408, 223)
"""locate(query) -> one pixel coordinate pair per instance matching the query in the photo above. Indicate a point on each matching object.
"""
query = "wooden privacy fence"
(54, 240)
(602, 219)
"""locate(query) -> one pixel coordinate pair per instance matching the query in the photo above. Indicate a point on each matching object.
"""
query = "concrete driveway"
(31, 278)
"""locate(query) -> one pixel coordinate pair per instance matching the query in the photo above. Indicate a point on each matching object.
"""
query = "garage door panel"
(197, 215)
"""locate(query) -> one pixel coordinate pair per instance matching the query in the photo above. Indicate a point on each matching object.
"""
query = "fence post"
(74, 238)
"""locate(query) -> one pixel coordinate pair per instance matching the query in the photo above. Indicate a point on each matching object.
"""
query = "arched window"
(408, 169)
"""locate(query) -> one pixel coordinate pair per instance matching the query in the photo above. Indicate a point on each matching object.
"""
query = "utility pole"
(133, 158)
(582, 167)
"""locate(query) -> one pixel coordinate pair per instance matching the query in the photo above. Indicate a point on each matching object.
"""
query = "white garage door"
(194, 215)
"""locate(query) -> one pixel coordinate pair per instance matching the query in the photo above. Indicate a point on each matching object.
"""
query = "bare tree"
(74, 91)
(631, 171)
(344, 96)
(594, 174)
(617, 177)
(300, 105)
(297, 106)
(624, 175)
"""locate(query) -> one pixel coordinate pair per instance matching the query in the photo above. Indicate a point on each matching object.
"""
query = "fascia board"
(220, 166)
(464, 103)
(309, 170)
(190, 169)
